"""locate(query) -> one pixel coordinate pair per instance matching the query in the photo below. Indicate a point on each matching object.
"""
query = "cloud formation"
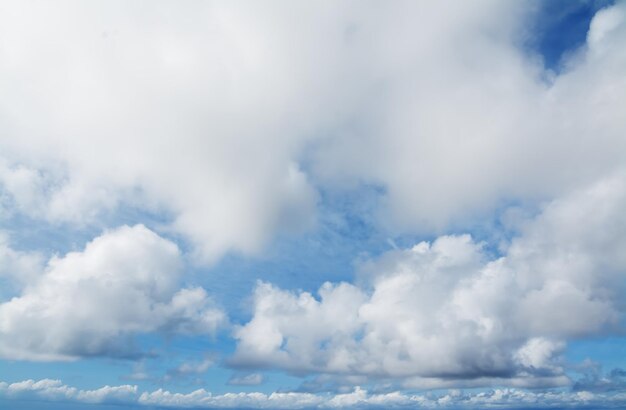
(229, 122)
(188, 111)
(464, 120)
(209, 112)
(88, 303)
(55, 390)
(359, 398)
(446, 313)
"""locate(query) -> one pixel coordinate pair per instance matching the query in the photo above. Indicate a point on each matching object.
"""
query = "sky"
(309, 205)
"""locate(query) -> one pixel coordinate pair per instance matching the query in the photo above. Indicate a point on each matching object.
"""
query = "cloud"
(466, 121)
(123, 283)
(195, 367)
(226, 120)
(595, 381)
(189, 368)
(446, 313)
(192, 115)
(358, 398)
(226, 117)
(55, 390)
(251, 379)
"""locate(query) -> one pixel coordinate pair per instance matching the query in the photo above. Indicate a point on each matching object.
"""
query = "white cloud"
(55, 390)
(195, 367)
(89, 303)
(605, 21)
(195, 110)
(359, 398)
(205, 111)
(188, 369)
(467, 121)
(446, 311)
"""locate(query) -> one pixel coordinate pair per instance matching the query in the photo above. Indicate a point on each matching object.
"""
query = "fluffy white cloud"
(195, 110)
(446, 311)
(466, 121)
(89, 303)
(55, 390)
(206, 110)
(359, 398)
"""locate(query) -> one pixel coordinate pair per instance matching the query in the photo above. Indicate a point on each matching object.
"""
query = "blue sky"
(312, 205)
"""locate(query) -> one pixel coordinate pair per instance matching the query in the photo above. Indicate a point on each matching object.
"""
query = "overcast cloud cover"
(476, 188)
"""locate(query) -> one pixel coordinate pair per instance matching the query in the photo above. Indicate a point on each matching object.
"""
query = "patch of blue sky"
(559, 27)
(42, 404)
(345, 232)
(608, 352)
(35, 234)
(91, 373)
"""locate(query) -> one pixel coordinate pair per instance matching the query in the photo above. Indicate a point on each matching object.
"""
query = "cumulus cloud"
(466, 124)
(124, 282)
(55, 390)
(447, 314)
(207, 111)
(359, 398)
(189, 110)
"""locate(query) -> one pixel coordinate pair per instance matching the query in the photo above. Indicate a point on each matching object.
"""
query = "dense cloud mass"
(464, 125)
(446, 310)
(89, 303)
(207, 110)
